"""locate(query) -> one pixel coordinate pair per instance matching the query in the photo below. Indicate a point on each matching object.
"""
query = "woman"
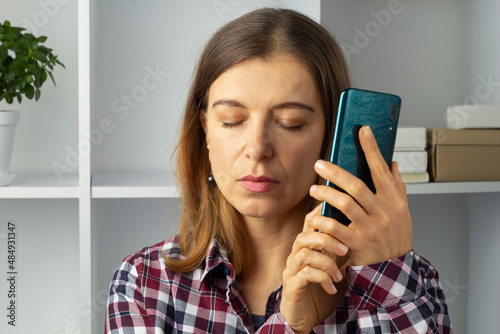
(248, 256)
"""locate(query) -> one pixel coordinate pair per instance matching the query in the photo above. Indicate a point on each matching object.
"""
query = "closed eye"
(229, 125)
(291, 127)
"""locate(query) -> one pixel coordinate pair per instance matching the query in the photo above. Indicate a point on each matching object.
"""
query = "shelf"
(162, 185)
(41, 185)
(133, 185)
(453, 187)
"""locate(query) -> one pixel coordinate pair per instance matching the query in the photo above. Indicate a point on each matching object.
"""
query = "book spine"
(411, 162)
(411, 139)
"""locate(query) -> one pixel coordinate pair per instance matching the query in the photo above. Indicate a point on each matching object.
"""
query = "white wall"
(46, 266)
(484, 245)
(419, 51)
(484, 229)
(485, 52)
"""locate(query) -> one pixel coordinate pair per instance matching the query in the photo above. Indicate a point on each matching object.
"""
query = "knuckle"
(403, 187)
(345, 203)
(309, 216)
(382, 168)
(332, 172)
(401, 207)
(357, 187)
(302, 256)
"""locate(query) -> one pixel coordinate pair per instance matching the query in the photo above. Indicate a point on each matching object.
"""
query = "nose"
(259, 143)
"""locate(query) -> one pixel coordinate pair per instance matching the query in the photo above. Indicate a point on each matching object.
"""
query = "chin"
(258, 211)
(269, 209)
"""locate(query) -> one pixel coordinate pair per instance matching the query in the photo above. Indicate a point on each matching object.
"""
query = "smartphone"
(358, 108)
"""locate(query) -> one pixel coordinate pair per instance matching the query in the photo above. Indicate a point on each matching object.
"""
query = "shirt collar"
(216, 256)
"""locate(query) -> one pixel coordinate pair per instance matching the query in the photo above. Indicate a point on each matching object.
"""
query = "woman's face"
(265, 127)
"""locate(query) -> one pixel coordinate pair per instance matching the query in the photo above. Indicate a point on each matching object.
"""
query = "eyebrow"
(229, 103)
(285, 105)
(294, 105)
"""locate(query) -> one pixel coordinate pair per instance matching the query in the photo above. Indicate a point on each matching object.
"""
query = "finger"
(342, 201)
(399, 180)
(381, 175)
(308, 275)
(341, 233)
(317, 242)
(309, 216)
(348, 182)
(309, 258)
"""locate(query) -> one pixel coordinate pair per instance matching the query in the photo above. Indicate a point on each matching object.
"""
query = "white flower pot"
(8, 122)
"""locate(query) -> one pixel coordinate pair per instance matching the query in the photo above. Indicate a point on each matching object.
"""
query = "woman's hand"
(381, 227)
(313, 285)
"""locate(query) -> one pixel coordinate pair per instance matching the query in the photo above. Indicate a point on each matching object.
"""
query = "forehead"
(279, 76)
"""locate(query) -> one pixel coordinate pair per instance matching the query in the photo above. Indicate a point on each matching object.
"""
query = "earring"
(211, 180)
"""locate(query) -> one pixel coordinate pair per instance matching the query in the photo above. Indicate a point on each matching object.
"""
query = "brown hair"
(205, 213)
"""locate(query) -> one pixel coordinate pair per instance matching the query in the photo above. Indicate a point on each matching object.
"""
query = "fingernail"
(339, 276)
(320, 164)
(367, 132)
(342, 248)
(334, 289)
(313, 189)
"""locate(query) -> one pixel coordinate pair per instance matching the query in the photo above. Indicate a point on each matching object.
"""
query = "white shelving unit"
(453, 188)
(104, 207)
(41, 185)
(134, 185)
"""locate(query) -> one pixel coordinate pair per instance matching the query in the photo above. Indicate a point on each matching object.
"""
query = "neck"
(271, 241)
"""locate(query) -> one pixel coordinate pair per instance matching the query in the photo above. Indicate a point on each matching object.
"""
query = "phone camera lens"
(394, 112)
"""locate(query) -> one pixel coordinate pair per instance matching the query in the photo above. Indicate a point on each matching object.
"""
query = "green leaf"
(37, 94)
(52, 78)
(43, 76)
(29, 91)
(20, 85)
(3, 54)
(9, 76)
(40, 56)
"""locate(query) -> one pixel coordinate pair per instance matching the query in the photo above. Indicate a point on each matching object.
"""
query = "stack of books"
(410, 154)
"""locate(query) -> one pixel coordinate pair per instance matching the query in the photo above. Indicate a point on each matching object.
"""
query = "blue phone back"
(357, 108)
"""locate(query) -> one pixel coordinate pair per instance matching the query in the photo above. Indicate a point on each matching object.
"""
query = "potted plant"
(25, 64)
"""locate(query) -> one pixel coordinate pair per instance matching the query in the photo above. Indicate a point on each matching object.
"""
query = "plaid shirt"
(402, 295)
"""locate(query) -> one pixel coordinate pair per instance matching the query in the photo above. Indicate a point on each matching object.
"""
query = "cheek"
(222, 157)
(302, 156)
(310, 146)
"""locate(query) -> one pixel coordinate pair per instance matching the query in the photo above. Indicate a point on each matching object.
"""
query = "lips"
(258, 184)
